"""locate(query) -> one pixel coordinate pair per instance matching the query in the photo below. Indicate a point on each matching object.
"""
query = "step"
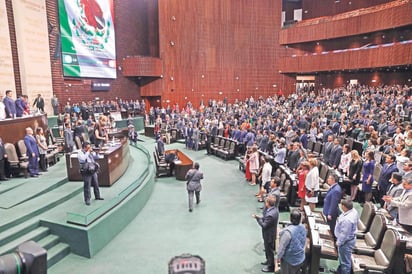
(18, 231)
(49, 241)
(35, 235)
(39, 205)
(56, 253)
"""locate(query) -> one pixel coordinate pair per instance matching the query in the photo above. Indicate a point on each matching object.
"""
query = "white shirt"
(266, 173)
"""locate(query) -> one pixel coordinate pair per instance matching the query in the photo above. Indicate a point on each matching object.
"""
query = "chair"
(323, 182)
(22, 150)
(349, 141)
(373, 238)
(228, 151)
(317, 149)
(16, 165)
(387, 259)
(78, 142)
(222, 151)
(311, 144)
(173, 135)
(161, 168)
(366, 217)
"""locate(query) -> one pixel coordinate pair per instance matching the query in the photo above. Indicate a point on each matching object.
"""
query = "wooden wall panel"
(142, 66)
(397, 55)
(339, 26)
(319, 8)
(221, 49)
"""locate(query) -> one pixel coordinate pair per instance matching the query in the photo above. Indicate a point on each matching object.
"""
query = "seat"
(317, 149)
(366, 217)
(215, 144)
(78, 142)
(22, 151)
(222, 151)
(16, 165)
(323, 176)
(228, 151)
(173, 135)
(310, 146)
(387, 259)
(162, 169)
(349, 141)
(285, 187)
(373, 238)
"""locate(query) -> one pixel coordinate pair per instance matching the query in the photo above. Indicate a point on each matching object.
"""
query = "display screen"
(87, 38)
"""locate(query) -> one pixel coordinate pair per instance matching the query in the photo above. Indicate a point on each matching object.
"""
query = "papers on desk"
(177, 162)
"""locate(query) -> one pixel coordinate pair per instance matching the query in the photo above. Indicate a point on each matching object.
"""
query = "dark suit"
(33, 154)
(68, 140)
(269, 223)
(331, 205)
(383, 182)
(294, 159)
(327, 148)
(334, 157)
(10, 107)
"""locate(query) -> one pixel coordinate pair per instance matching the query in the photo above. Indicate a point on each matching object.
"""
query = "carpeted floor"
(220, 229)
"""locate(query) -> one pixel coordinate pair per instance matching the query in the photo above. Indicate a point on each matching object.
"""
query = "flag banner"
(87, 38)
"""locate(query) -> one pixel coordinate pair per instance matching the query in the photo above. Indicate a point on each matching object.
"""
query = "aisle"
(220, 229)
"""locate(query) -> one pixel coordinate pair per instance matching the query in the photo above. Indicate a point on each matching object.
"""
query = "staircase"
(22, 209)
(12, 238)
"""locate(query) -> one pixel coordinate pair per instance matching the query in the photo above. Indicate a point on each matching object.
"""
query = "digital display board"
(87, 38)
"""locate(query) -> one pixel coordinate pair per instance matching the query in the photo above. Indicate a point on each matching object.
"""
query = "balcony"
(381, 17)
(393, 54)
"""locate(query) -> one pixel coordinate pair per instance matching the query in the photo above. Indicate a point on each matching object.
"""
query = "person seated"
(170, 158)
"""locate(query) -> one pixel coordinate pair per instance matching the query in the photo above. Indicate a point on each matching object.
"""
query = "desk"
(19, 125)
(113, 161)
(322, 244)
(183, 165)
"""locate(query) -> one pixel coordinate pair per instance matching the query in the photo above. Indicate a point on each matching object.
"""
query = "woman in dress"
(312, 184)
(42, 145)
(367, 176)
(248, 175)
(254, 164)
(354, 173)
(302, 171)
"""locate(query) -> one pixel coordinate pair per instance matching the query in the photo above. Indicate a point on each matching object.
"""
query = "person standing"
(3, 157)
(133, 135)
(354, 173)
(367, 176)
(387, 169)
(345, 233)
(269, 223)
(19, 106)
(395, 190)
(68, 137)
(312, 184)
(32, 152)
(10, 105)
(331, 202)
(193, 184)
(39, 103)
(292, 240)
(86, 158)
(55, 105)
(42, 145)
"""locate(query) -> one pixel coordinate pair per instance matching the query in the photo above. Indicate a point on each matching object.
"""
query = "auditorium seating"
(373, 238)
(387, 259)
(16, 165)
(224, 147)
(162, 168)
(366, 217)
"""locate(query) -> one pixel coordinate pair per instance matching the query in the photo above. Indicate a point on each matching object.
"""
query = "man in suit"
(383, 182)
(407, 170)
(3, 157)
(10, 105)
(39, 103)
(68, 137)
(404, 204)
(32, 152)
(331, 203)
(335, 154)
(193, 185)
(19, 106)
(269, 223)
(395, 190)
(327, 148)
(294, 156)
(196, 137)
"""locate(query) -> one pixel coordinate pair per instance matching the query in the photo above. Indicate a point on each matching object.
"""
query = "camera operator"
(88, 169)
